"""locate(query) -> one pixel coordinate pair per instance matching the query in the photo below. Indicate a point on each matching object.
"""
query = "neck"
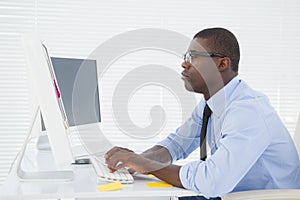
(218, 86)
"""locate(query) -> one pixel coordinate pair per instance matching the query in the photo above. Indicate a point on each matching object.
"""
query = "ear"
(224, 64)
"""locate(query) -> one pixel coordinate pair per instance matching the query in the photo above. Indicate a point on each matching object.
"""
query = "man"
(250, 146)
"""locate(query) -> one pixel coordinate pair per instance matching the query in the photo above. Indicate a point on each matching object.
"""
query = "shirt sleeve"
(244, 137)
(187, 137)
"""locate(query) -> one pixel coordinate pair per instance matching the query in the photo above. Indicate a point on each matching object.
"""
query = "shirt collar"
(218, 102)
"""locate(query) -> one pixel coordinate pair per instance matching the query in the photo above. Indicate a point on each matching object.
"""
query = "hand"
(119, 157)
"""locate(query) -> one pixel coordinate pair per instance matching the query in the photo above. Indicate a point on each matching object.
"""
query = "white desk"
(82, 187)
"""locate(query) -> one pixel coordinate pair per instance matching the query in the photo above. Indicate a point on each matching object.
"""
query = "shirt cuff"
(183, 176)
(187, 175)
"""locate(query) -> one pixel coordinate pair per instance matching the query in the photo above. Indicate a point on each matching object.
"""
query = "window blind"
(15, 18)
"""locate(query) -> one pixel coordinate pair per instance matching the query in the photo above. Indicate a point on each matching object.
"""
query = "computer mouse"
(82, 161)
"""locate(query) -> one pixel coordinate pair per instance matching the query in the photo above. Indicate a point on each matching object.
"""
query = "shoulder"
(247, 106)
(246, 99)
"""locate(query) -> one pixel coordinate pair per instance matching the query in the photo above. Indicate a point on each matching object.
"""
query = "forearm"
(159, 154)
(166, 172)
(169, 174)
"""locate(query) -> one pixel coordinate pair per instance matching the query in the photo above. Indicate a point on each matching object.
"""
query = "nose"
(185, 64)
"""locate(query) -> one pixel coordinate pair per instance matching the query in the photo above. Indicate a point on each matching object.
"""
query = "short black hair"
(222, 41)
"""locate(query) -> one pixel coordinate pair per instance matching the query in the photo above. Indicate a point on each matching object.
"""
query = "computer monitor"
(78, 83)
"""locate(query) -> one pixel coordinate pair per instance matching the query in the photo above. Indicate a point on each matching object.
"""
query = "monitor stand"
(55, 175)
(43, 143)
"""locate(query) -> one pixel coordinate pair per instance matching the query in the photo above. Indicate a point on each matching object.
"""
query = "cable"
(26, 141)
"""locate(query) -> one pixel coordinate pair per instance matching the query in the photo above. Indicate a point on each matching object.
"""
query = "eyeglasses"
(188, 56)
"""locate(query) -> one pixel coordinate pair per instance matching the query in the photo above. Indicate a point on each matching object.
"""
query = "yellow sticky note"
(110, 187)
(158, 184)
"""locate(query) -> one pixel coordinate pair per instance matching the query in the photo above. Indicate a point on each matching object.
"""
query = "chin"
(188, 87)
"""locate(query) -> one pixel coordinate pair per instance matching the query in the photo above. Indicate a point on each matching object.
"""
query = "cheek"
(196, 79)
(207, 71)
(198, 72)
(197, 76)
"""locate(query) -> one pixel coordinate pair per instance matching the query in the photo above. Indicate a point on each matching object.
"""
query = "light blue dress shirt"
(250, 146)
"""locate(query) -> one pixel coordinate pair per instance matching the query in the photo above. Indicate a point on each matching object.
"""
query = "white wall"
(267, 30)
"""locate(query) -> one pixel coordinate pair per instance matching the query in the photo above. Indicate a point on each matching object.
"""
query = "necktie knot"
(207, 111)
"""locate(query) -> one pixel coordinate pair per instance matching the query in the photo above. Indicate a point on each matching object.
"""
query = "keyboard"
(103, 173)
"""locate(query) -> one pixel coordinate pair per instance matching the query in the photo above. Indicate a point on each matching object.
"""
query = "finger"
(111, 152)
(112, 170)
(119, 165)
(112, 163)
(131, 171)
(125, 149)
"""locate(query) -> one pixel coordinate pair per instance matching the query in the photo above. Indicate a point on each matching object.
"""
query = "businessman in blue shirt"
(250, 148)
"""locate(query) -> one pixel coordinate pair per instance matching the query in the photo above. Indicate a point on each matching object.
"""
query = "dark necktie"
(206, 115)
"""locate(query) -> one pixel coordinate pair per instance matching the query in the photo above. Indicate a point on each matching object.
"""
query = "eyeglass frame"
(187, 57)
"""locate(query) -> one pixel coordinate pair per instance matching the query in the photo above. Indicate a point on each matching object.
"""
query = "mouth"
(184, 75)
